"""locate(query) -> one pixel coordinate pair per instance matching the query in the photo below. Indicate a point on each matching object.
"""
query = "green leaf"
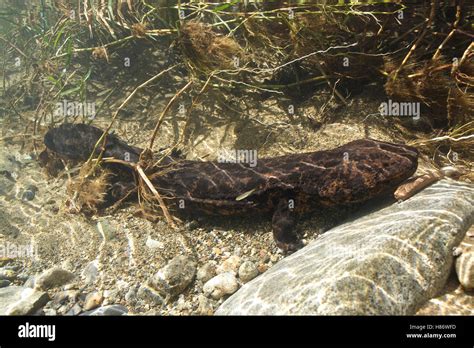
(70, 91)
(87, 75)
(225, 6)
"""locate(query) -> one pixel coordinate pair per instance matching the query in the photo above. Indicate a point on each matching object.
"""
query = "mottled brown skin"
(285, 186)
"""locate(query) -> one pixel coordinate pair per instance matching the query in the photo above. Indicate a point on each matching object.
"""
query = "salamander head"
(77, 141)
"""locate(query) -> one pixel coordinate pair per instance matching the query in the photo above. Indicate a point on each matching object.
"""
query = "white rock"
(17, 300)
(465, 270)
(154, 244)
(90, 272)
(247, 271)
(230, 265)
(207, 271)
(221, 285)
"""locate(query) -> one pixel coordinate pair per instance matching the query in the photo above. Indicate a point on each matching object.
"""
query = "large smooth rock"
(17, 300)
(389, 262)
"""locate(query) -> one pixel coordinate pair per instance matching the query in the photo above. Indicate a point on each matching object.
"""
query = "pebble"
(175, 277)
(50, 312)
(106, 229)
(29, 193)
(75, 310)
(7, 274)
(154, 244)
(131, 296)
(90, 272)
(111, 295)
(207, 271)
(205, 306)
(274, 258)
(111, 310)
(262, 268)
(221, 285)
(247, 271)
(465, 270)
(93, 300)
(216, 251)
(264, 256)
(30, 282)
(64, 296)
(53, 278)
(230, 265)
(150, 295)
(4, 283)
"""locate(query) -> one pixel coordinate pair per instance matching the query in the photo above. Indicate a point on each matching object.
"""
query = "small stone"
(22, 277)
(207, 271)
(111, 295)
(7, 274)
(262, 268)
(264, 256)
(247, 271)
(75, 310)
(70, 286)
(205, 306)
(465, 270)
(50, 312)
(29, 193)
(62, 297)
(230, 265)
(274, 258)
(131, 296)
(4, 283)
(30, 282)
(175, 277)
(457, 251)
(150, 295)
(4, 260)
(221, 285)
(93, 300)
(192, 225)
(53, 277)
(112, 310)
(106, 229)
(216, 251)
(154, 244)
(90, 273)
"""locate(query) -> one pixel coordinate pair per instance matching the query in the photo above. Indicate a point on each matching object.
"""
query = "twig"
(415, 45)
(165, 110)
(102, 138)
(147, 181)
(451, 33)
(12, 45)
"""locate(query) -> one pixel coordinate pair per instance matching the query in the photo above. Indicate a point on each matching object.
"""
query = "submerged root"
(88, 190)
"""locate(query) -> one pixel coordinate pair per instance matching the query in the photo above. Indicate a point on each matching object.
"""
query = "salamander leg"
(283, 223)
